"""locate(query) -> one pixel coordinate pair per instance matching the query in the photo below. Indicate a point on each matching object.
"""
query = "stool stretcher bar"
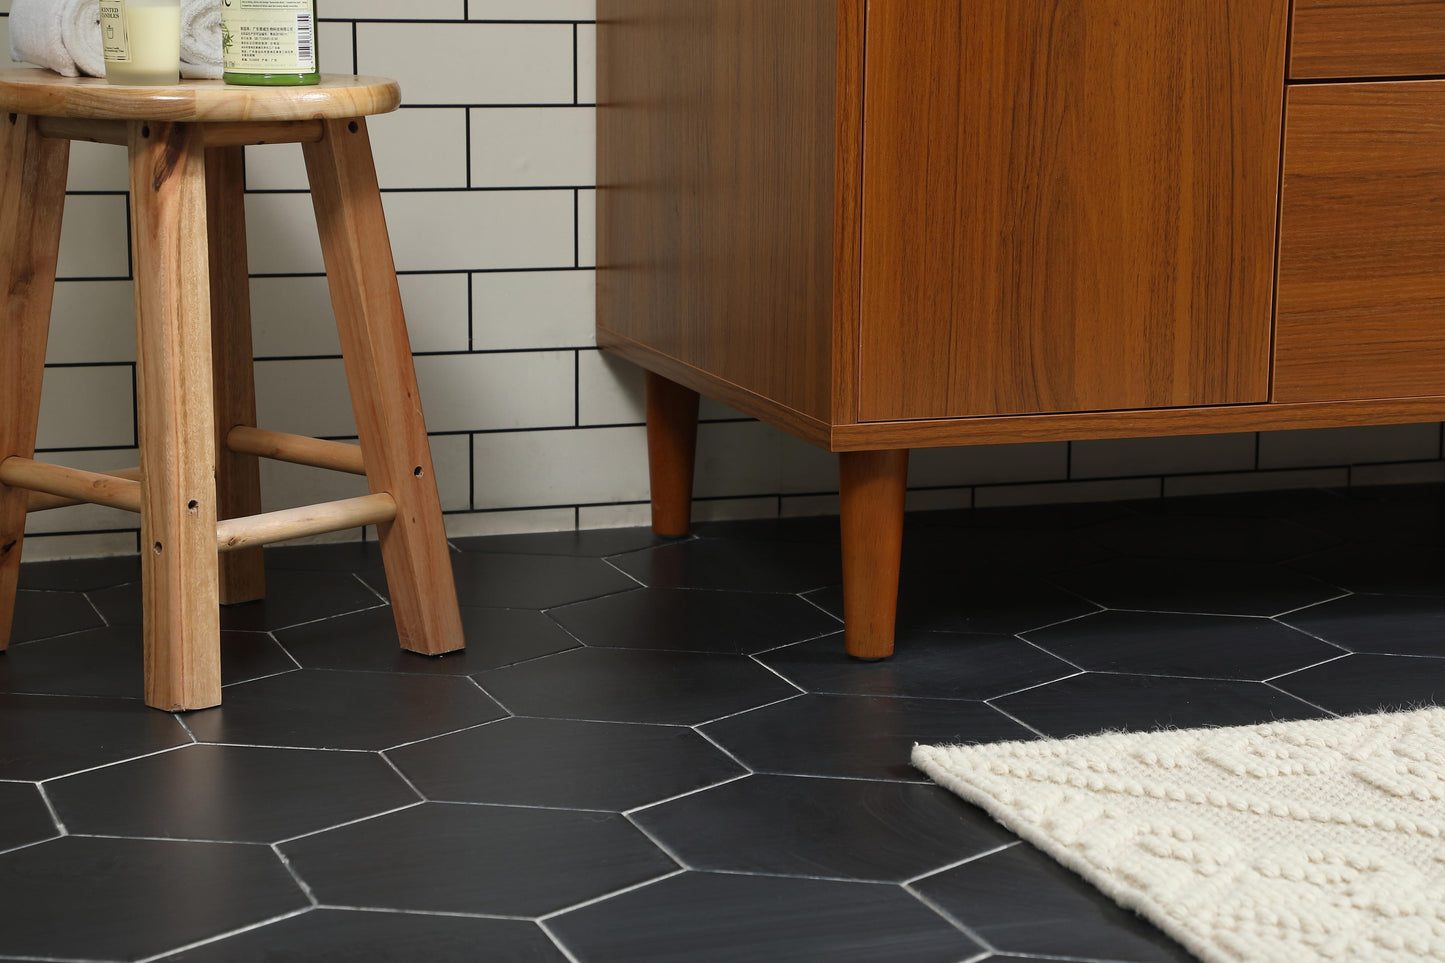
(236, 533)
(71, 485)
(212, 135)
(41, 502)
(296, 449)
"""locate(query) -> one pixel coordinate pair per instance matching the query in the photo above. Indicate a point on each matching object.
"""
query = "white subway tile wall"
(489, 178)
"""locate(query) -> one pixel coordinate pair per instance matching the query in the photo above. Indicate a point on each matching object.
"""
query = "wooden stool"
(198, 485)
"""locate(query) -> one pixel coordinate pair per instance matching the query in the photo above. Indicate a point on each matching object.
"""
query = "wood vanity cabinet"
(890, 224)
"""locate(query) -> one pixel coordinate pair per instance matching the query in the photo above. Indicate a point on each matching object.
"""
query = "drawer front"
(1341, 39)
(1361, 300)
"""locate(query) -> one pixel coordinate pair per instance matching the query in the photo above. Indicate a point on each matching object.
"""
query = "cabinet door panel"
(1068, 204)
(1362, 243)
(1367, 38)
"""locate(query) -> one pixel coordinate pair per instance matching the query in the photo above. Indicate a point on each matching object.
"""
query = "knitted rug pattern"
(1287, 842)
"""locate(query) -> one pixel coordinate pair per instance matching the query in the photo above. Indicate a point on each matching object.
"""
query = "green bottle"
(270, 43)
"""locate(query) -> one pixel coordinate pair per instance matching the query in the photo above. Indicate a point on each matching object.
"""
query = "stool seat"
(197, 487)
(26, 90)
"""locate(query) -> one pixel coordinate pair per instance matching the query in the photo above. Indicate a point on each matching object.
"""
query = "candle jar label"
(268, 36)
(113, 38)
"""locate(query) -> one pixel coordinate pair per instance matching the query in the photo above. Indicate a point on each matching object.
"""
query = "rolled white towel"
(201, 39)
(63, 35)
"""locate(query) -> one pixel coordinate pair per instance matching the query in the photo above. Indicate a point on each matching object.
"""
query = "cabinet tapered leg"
(238, 476)
(175, 405)
(32, 199)
(671, 453)
(873, 485)
(382, 381)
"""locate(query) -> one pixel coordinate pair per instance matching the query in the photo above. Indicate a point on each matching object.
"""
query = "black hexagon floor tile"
(807, 528)
(955, 601)
(738, 565)
(353, 936)
(715, 918)
(498, 860)
(1370, 683)
(597, 543)
(1204, 646)
(1094, 702)
(885, 832)
(1186, 585)
(42, 615)
(1220, 538)
(80, 574)
(228, 793)
(109, 662)
(46, 736)
(507, 581)
(292, 598)
(1383, 624)
(24, 818)
(325, 709)
(925, 665)
(1392, 516)
(1022, 901)
(634, 685)
(692, 620)
(367, 641)
(985, 552)
(857, 737)
(1044, 518)
(354, 556)
(112, 899)
(564, 764)
(1383, 569)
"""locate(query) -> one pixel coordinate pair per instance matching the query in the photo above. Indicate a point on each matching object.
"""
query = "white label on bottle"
(113, 36)
(268, 36)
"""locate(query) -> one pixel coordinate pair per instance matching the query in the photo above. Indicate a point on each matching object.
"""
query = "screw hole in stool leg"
(192, 505)
(417, 471)
(157, 548)
(353, 127)
(14, 118)
(145, 131)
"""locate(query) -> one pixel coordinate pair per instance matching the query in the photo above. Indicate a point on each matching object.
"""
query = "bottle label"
(113, 37)
(268, 36)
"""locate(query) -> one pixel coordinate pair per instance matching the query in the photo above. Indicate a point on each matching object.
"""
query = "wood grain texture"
(1068, 206)
(382, 380)
(238, 475)
(215, 135)
(175, 405)
(1340, 39)
(671, 453)
(716, 188)
(27, 90)
(242, 535)
(32, 200)
(114, 490)
(42, 502)
(297, 449)
(872, 488)
(1361, 310)
(848, 209)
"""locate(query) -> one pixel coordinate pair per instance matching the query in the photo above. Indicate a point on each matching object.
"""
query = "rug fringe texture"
(1288, 842)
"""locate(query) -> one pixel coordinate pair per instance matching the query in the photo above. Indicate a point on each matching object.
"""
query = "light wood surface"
(872, 487)
(1091, 228)
(1362, 243)
(297, 449)
(717, 188)
(174, 404)
(382, 382)
(249, 534)
(32, 200)
(42, 502)
(25, 90)
(238, 474)
(214, 135)
(671, 453)
(112, 490)
(1343, 39)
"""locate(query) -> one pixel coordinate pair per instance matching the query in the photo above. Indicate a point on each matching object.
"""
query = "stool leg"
(177, 437)
(32, 199)
(382, 381)
(238, 476)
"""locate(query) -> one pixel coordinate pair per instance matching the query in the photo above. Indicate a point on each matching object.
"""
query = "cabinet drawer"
(1367, 38)
(1361, 300)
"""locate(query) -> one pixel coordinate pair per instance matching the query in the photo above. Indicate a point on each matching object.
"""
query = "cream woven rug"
(1287, 842)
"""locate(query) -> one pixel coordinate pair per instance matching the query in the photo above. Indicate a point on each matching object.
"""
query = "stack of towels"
(64, 35)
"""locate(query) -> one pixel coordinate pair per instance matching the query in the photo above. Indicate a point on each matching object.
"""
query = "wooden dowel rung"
(261, 132)
(296, 449)
(234, 533)
(71, 483)
(79, 128)
(42, 502)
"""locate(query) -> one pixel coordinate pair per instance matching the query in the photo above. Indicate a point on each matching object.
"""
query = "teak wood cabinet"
(890, 224)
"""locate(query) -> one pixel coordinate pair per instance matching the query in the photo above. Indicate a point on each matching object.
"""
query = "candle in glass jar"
(142, 40)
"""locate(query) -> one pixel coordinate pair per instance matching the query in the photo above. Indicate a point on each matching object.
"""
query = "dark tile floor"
(657, 750)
